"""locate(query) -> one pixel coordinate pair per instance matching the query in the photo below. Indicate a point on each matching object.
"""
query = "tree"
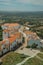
(41, 48)
(34, 45)
(0, 33)
(23, 40)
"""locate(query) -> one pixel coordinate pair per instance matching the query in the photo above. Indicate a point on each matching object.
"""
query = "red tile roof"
(14, 37)
(28, 32)
(11, 24)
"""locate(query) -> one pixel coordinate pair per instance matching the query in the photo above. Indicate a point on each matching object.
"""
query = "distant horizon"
(21, 11)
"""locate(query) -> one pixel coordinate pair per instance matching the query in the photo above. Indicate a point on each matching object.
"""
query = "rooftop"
(6, 30)
(11, 39)
(14, 37)
(11, 24)
(28, 32)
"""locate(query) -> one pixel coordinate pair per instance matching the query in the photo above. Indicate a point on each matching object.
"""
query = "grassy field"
(13, 58)
(40, 55)
(33, 61)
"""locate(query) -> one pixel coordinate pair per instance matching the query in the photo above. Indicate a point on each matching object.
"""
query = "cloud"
(36, 2)
(5, 2)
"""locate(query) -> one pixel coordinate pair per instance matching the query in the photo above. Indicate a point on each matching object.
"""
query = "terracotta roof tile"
(28, 32)
(14, 37)
(11, 24)
(6, 30)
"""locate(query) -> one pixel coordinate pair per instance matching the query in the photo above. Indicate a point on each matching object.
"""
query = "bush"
(34, 45)
(23, 39)
(23, 56)
(28, 46)
(41, 49)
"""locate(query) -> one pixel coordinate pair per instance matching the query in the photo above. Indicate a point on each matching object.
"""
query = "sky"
(21, 5)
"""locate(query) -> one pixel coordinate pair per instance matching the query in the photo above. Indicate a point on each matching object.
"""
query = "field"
(13, 58)
(35, 60)
(40, 55)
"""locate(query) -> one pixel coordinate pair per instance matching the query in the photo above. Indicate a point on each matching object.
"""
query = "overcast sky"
(21, 5)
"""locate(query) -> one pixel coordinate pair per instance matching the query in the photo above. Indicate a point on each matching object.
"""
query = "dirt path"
(27, 59)
(24, 61)
(39, 58)
(41, 52)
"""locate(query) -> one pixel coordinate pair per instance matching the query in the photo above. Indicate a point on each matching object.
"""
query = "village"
(16, 35)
